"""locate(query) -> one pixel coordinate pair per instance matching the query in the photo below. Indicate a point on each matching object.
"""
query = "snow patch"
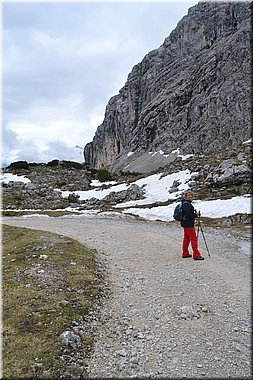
(8, 177)
(212, 209)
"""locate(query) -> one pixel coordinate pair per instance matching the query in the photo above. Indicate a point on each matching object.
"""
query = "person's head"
(188, 195)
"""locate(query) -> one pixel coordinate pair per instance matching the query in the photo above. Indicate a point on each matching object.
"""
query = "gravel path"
(166, 316)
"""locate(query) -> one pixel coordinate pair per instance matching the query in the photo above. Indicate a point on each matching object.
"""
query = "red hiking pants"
(190, 236)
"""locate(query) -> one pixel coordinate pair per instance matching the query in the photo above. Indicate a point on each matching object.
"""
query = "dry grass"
(40, 270)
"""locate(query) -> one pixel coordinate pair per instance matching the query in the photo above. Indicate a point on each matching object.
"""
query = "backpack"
(178, 212)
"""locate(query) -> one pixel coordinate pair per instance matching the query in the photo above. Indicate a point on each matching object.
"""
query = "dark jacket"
(189, 214)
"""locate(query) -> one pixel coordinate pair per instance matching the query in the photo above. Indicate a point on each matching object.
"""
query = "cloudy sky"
(62, 61)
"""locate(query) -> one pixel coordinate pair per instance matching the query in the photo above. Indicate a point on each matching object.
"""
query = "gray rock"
(183, 94)
(30, 186)
(240, 347)
(189, 312)
(134, 192)
(230, 171)
(64, 302)
(69, 338)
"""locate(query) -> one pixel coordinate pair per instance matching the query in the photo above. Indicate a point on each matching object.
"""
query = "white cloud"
(43, 40)
(97, 48)
(63, 61)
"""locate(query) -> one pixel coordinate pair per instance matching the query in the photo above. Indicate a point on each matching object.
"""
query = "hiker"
(188, 224)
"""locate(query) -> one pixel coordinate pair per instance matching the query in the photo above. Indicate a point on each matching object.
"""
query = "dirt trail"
(166, 316)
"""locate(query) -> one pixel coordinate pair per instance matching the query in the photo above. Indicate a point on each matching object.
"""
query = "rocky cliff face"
(192, 93)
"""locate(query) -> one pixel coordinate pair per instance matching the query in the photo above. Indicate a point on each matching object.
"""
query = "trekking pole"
(198, 227)
(204, 240)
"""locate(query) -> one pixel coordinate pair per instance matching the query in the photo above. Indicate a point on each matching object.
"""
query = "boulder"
(70, 339)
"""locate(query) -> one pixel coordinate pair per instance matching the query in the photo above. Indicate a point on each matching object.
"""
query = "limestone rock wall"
(192, 93)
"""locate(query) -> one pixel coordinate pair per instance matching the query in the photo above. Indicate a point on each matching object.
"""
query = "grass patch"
(232, 224)
(52, 213)
(50, 284)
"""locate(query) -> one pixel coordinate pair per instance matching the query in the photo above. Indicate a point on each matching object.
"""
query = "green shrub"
(59, 185)
(73, 198)
(71, 164)
(32, 164)
(53, 163)
(93, 171)
(104, 175)
(19, 165)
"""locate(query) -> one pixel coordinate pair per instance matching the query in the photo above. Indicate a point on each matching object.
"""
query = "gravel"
(164, 316)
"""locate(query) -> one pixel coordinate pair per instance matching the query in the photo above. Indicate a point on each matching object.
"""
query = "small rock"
(43, 257)
(134, 360)
(63, 302)
(240, 347)
(69, 338)
(122, 352)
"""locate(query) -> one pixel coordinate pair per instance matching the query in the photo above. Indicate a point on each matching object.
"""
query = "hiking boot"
(198, 258)
(186, 256)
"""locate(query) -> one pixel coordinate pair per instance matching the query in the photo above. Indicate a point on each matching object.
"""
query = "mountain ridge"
(191, 93)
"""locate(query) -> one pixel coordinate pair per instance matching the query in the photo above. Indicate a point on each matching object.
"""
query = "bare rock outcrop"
(192, 93)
